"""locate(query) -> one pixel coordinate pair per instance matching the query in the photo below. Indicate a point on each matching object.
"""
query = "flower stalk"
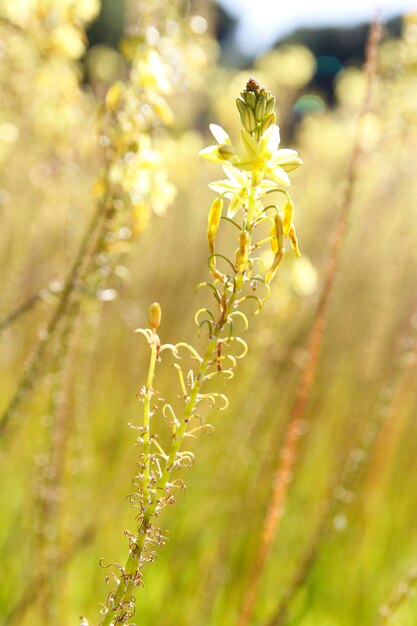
(259, 170)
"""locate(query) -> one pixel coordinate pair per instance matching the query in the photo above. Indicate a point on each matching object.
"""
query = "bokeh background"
(103, 209)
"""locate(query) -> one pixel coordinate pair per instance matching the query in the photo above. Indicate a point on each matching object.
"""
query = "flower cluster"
(260, 168)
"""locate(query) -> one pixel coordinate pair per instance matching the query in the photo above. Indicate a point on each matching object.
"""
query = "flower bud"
(250, 99)
(270, 106)
(214, 221)
(242, 253)
(275, 264)
(154, 316)
(277, 234)
(294, 240)
(249, 121)
(241, 106)
(260, 109)
(271, 119)
(288, 216)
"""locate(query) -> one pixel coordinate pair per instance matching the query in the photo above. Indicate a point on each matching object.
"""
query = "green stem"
(127, 583)
(146, 434)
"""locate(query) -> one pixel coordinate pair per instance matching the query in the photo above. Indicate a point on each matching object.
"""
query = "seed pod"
(270, 106)
(154, 316)
(242, 253)
(294, 241)
(214, 221)
(260, 109)
(271, 119)
(288, 216)
(249, 121)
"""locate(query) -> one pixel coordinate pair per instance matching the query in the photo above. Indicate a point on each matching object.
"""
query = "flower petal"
(250, 145)
(224, 187)
(271, 139)
(235, 175)
(211, 154)
(220, 134)
(279, 175)
(235, 204)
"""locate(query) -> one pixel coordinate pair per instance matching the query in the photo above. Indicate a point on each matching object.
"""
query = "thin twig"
(29, 304)
(283, 472)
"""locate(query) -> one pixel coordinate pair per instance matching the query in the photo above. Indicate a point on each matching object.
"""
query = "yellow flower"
(261, 158)
(221, 152)
(237, 188)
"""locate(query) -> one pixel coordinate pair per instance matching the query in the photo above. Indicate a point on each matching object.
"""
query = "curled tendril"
(212, 287)
(252, 297)
(230, 324)
(213, 257)
(171, 347)
(172, 418)
(184, 459)
(242, 343)
(210, 326)
(148, 557)
(240, 315)
(208, 429)
(229, 219)
(200, 323)
(261, 280)
(265, 218)
(213, 398)
(225, 357)
(181, 379)
(193, 351)
(161, 451)
(150, 337)
(277, 190)
(190, 377)
(228, 374)
(203, 310)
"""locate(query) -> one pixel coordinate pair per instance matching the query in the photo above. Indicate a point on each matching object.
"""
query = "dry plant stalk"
(117, 206)
(261, 169)
(283, 473)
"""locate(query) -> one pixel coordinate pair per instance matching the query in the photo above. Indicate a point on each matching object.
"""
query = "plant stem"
(129, 580)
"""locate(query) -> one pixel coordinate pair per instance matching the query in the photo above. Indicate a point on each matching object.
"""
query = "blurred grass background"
(67, 457)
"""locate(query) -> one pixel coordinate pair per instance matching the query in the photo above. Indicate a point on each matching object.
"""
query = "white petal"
(235, 175)
(279, 175)
(271, 138)
(220, 134)
(211, 154)
(224, 187)
(234, 206)
(281, 156)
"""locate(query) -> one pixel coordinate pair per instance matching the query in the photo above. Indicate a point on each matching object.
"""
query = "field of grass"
(300, 505)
